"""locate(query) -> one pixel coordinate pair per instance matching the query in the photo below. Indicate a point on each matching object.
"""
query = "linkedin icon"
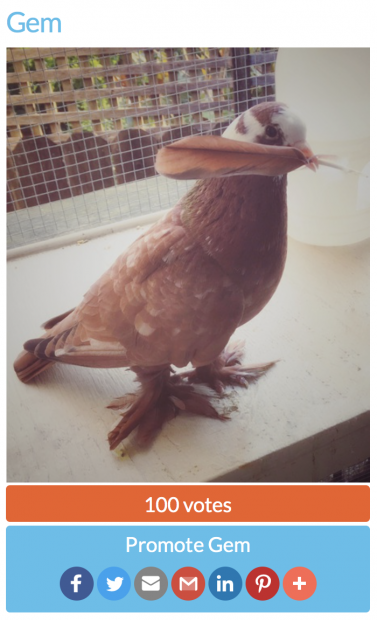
(225, 583)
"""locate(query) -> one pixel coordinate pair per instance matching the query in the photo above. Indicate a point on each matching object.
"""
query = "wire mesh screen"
(84, 126)
(356, 473)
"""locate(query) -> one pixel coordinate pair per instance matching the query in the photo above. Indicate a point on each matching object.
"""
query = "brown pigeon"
(178, 293)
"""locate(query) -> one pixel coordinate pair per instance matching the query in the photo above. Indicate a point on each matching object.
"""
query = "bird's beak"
(312, 161)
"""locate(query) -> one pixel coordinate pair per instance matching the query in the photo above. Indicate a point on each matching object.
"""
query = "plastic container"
(329, 89)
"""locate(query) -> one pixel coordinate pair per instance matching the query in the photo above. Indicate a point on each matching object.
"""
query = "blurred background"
(84, 126)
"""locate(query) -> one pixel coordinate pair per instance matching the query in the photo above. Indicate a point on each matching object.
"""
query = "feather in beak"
(311, 159)
(201, 157)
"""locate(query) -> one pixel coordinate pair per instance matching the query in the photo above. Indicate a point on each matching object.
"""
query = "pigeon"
(179, 292)
(113, 586)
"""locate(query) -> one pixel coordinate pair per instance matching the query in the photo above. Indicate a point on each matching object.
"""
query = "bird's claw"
(123, 402)
(154, 404)
(227, 370)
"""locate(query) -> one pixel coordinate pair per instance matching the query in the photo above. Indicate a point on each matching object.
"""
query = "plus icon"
(299, 583)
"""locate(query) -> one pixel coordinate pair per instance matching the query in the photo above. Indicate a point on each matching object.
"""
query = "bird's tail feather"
(28, 366)
(56, 319)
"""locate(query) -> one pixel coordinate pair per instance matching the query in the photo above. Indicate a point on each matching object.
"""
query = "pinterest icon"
(262, 583)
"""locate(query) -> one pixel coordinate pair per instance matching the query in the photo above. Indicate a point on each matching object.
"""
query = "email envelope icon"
(150, 583)
(188, 583)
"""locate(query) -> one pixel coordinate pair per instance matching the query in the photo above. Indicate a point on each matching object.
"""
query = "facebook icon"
(76, 583)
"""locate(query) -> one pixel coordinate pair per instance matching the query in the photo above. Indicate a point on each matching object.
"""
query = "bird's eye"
(271, 131)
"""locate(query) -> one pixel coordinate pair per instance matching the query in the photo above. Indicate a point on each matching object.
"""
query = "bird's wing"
(201, 157)
(164, 301)
(109, 582)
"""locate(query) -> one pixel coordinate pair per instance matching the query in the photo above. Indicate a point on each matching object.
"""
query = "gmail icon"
(150, 583)
(188, 583)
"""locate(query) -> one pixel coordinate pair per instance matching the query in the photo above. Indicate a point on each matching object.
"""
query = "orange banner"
(188, 503)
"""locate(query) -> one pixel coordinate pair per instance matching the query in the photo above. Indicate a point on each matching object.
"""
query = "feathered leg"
(159, 399)
(227, 370)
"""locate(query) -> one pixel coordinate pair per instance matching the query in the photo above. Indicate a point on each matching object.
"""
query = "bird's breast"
(241, 222)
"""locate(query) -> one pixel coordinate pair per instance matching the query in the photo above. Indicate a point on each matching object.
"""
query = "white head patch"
(291, 125)
(247, 128)
(250, 125)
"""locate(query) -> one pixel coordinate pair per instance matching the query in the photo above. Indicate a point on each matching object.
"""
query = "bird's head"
(271, 124)
(269, 140)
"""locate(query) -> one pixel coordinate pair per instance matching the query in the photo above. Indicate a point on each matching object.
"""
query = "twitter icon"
(113, 586)
(114, 583)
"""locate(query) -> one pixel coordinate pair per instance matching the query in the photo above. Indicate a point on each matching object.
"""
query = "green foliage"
(29, 65)
(50, 62)
(87, 125)
(119, 81)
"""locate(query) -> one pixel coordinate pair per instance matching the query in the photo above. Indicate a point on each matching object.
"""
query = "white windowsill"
(304, 420)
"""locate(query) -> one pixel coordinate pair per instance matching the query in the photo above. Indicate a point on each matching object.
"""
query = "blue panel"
(38, 556)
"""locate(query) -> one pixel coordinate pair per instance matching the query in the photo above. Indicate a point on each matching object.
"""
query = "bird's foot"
(158, 400)
(227, 370)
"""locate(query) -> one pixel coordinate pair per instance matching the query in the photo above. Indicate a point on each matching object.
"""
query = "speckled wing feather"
(200, 157)
(164, 301)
